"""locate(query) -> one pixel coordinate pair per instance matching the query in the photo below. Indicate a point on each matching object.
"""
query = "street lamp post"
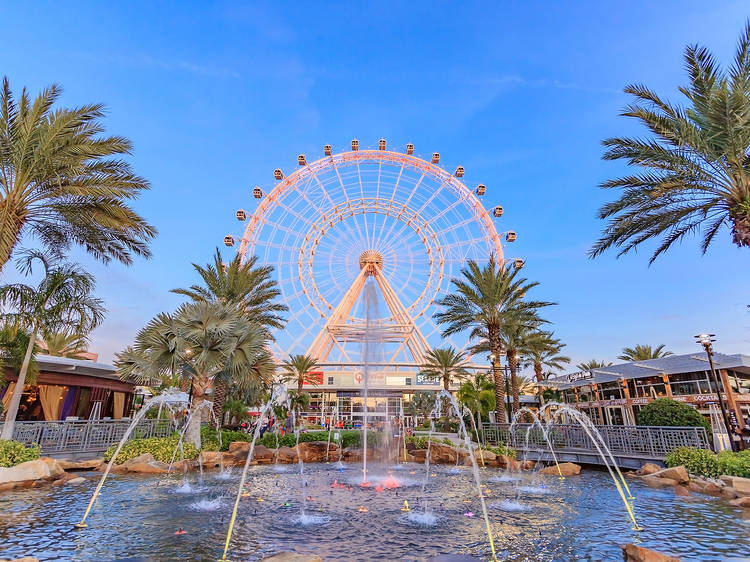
(706, 341)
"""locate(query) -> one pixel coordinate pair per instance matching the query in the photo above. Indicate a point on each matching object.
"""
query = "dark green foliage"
(13, 453)
(668, 412)
(348, 438)
(210, 438)
(705, 463)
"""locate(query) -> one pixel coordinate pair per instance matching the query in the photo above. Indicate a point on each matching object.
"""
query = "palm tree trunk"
(15, 400)
(447, 406)
(497, 376)
(193, 430)
(513, 367)
(538, 373)
(219, 396)
(740, 226)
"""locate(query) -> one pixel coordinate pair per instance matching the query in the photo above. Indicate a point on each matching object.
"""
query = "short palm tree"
(64, 344)
(643, 352)
(485, 299)
(64, 183)
(592, 364)
(543, 351)
(14, 342)
(421, 404)
(298, 370)
(478, 396)
(445, 366)
(247, 285)
(61, 301)
(695, 169)
(199, 342)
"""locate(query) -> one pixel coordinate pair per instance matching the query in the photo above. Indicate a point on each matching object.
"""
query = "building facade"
(614, 395)
(70, 389)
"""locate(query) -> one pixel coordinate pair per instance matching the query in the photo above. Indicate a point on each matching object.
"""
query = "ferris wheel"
(388, 219)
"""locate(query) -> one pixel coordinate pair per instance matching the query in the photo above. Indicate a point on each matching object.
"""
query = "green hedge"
(502, 450)
(668, 412)
(349, 438)
(705, 463)
(210, 438)
(14, 452)
(420, 441)
(162, 448)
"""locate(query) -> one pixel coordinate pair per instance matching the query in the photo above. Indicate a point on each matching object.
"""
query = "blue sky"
(216, 95)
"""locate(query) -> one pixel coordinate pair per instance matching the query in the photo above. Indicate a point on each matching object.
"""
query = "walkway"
(631, 446)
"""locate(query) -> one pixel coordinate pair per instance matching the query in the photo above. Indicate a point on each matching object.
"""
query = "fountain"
(168, 398)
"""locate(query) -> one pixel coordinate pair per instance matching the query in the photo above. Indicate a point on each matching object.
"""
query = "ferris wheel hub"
(370, 258)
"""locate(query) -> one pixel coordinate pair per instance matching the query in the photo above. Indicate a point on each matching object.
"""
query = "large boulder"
(419, 454)
(712, 489)
(480, 454)
(145, 464)
(239, 447)
(210, 459)
(287, 455)
(649, 468)
(729, 493)
(741, 502)
(677, 473)
(442, 454)
(351, 454)
(681, 490)
(313, 451)
(741, 485)
(263, 453)
(635, 553)
(39, 469)
(566, 468)
(656, 482)
(90, 464)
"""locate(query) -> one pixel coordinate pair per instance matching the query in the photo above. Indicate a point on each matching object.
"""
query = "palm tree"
(298, 369)
(61, 301)
(421, 405)
(479, 397)
(487, 298)
(64, 344)
(643, 353)
(544, 352)
(199, 342)
(63, 183)
(591, 365)
(444, 366)
(695, 170)
(13, 345)
(246, 285)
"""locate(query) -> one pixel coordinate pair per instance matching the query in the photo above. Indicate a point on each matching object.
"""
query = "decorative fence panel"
(635, 441)
(85, 435)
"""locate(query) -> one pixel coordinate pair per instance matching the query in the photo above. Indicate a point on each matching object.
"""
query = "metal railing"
(632, 441)
(56, 437)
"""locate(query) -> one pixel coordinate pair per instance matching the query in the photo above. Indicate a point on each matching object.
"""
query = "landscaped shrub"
(735, 464)
(162, 449)
(502, 450)
(210, 438)
(348, 438)
(668, 412)
(420, 441)
(14, 452)
(706, 463)
(695, 461)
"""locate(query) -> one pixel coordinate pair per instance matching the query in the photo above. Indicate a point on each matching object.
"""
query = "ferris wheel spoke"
(346, 195)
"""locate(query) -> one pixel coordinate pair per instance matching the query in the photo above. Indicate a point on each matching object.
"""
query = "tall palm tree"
(643, 352)
(199, 342)
(14, 342)
(64, 183)
(445, 366)
(478, 396)
(592, 364)
(61, 301)
(246, 285)
(297, 369)
(485, 299)
(543, 350)
(64, 344)
(694, 169)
